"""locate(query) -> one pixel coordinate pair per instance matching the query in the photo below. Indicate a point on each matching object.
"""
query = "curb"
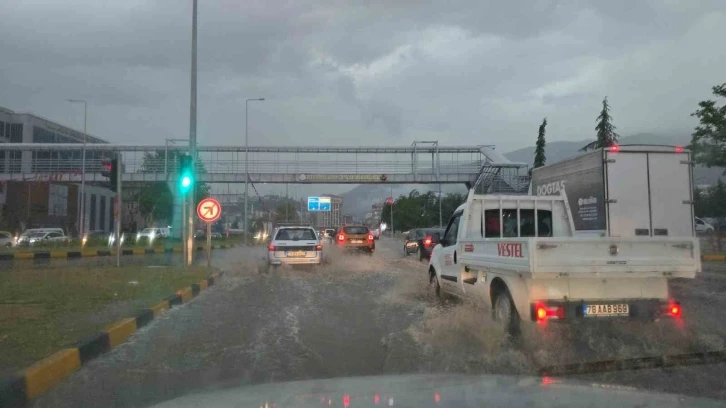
(45, 374)
(100, 252)
(721, 258)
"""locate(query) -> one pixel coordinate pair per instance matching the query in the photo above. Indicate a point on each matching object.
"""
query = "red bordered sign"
(209, 210)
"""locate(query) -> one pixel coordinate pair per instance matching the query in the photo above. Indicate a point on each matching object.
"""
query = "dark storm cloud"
(338, 72)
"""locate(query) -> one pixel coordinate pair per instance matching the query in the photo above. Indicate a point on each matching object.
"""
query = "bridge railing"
(135, 165)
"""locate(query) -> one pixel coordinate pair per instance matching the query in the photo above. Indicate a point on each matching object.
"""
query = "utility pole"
(287, 203)
(192, 135)
(82, 218)
(119, 202)
(392, 201)
(247, 158)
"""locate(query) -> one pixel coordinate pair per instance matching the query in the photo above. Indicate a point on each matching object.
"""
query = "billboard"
(318, 203)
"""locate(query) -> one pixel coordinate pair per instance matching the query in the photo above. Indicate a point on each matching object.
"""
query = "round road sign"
(209, 210)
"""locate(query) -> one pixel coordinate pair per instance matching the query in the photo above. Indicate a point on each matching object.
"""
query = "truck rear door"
(648, 193)
(670, 194)
(628, 198)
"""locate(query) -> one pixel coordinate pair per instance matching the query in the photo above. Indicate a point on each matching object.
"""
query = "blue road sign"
(324, 203)
(313, 203)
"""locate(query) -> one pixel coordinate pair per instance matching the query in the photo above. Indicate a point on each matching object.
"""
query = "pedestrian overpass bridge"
(419, 163)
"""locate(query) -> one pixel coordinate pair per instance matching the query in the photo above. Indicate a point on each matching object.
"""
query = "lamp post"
(82, 218)
(192, 140)
(247, 151)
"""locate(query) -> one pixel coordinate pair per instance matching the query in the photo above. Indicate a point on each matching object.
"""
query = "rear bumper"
(273, 260)
(357, 247)
(640, 309)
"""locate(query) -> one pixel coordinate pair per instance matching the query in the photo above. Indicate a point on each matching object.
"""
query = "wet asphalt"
(360, 315)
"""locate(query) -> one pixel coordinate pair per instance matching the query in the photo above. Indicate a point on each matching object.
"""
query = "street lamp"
(82, 220)
(247, 151)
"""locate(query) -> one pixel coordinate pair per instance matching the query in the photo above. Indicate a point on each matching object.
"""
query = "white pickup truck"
(527, 266)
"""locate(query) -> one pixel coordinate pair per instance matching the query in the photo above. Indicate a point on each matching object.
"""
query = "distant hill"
(558, 151)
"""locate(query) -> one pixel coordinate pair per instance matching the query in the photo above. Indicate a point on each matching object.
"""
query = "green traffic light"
(186, 181)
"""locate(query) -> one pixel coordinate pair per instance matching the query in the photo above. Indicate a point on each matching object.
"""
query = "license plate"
(295, 253)
(622, 309)
(356, 241)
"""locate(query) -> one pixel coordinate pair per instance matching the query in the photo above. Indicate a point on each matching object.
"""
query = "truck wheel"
(506, 314)
(434, 280)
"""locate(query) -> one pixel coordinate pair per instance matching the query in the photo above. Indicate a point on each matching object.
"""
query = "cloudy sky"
(376, 72)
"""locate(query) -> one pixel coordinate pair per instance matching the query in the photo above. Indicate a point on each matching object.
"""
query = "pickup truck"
(518, 256)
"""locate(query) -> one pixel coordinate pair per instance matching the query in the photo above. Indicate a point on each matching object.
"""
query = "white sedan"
(294, 246)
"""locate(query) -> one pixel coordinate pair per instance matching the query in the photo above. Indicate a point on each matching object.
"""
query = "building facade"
(334, 217)
(30, 194)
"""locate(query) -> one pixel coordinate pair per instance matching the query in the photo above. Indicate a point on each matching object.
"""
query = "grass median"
(42, 311)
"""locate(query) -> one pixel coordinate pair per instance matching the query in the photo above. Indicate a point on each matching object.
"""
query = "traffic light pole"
(183, 227)
(119, 203)
(192, 135)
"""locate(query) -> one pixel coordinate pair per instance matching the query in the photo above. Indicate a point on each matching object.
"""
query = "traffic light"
(113, 175)
(186, 174)
(106, 167)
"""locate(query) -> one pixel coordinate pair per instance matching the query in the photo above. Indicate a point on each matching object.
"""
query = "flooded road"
(360, 315)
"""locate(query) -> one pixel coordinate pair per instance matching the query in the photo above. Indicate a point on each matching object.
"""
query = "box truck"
(624, 191)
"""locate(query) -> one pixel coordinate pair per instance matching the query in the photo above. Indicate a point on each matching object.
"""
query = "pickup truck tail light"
(543, 312)
(674, 309)
(370, 237)
(427, 241)
(341, 238)
(271, 247)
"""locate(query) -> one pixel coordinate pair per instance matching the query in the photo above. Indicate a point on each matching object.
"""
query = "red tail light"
(674, 309)
(427, 241)
(543, 312)
(341, 237)
(270, 247)
(318, 247)
(370, 237)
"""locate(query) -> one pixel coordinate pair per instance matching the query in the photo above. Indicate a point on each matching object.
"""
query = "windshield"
(295, 234)
(311, 190)
(355, 230)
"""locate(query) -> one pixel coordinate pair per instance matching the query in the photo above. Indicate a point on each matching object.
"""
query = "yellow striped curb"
(721, 258)
(50, 371)
(83, 253)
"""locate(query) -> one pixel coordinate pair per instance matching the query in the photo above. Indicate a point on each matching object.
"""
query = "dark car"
(356, 237)
(420, 240)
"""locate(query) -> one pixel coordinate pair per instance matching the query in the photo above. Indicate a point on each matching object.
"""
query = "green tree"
(155, 199)
(418, 210)
(716, 198)
(539, 151)
(708, 141)
(605, 130)
(286, 212)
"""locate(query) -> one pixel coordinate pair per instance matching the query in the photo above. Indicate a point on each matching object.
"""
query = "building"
(31, 177)
(334, 217)
(347, 219)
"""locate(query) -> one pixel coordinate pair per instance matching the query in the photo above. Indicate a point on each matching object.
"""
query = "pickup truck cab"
(517, 255)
